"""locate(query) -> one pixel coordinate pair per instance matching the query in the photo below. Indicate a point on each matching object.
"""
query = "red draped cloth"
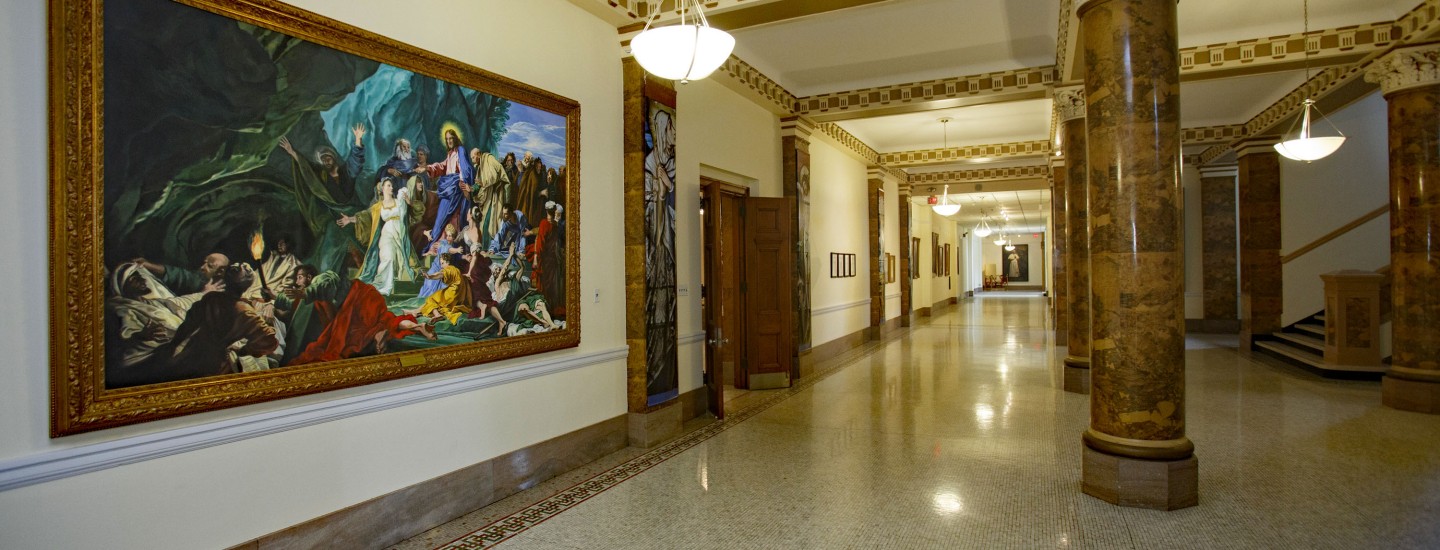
(363, 314)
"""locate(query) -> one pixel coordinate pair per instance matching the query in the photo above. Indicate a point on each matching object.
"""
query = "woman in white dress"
(389, 255)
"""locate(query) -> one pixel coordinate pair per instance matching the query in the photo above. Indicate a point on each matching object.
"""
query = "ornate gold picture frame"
(257, 151)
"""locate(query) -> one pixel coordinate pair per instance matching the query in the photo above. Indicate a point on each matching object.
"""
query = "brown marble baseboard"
(922, 312)
(1212, 326)
(694, 403)
(394, 517)
(835, 347)
(655, 426)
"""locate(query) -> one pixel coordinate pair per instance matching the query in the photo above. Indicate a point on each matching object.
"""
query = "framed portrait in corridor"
(253, 201)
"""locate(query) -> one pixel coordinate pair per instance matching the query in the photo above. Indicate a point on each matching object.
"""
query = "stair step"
(1318, 330)
(1317, 364)
(1310, 343)
(1298, 354)
(1320, 317)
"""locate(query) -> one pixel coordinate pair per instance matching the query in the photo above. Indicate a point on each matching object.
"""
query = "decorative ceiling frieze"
(1328, 46)
(778, 98)
(849, 141)
(1019, 149)
(1212, 134)
(973, 89)
(1039, 171)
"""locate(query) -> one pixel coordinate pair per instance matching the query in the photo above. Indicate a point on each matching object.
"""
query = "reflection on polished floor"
(956, 434)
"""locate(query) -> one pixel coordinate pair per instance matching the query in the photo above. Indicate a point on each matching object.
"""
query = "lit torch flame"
(257, 245)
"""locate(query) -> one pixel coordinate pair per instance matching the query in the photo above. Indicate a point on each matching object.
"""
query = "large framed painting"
(250, 201)
(1017, 263)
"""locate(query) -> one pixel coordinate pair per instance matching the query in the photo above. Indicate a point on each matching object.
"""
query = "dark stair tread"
(1308, 343)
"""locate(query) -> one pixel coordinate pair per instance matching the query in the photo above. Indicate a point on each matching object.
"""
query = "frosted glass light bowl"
(682, 52)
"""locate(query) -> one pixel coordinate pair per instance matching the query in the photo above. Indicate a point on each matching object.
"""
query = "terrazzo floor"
(956, 434)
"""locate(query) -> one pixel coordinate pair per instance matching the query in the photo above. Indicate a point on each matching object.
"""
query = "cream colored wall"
(1322, 196)
(921, 224)
(945, 286)
(839, 210)
(729, 138)
(224, 495)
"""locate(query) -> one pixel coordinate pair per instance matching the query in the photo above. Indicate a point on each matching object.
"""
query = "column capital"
(1258, 144)
(1070, 102)
(1406, 68)
(1220, 171)
(797, 126)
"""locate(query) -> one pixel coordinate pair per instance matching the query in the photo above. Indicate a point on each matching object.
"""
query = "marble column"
(1410, 79)
(1058, 292)
(875, 199)
(1218, 259)
(1070, 102)
(1135, 451)
(906, 277)
(1262, 296)
(795, 134)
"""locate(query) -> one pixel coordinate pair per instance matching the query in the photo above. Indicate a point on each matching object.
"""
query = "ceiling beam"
(973, 153)
(1338, 46)
(1037, 172)
(1014, 85)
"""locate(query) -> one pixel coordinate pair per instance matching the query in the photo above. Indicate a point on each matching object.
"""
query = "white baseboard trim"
(839, 307)
(59, 464)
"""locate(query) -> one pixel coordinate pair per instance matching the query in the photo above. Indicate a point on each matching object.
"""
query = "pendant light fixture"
(1302, 144)
(690, 50)
(982, 229)
(1009, 246)
(1001, 240)
(943, 206)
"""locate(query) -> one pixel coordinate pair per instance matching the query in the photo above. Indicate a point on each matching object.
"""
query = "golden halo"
(448, 126)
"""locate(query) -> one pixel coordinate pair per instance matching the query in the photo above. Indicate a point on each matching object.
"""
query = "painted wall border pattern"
(849, 141)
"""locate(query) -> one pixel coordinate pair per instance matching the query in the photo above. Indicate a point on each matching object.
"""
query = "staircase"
(1303, 344)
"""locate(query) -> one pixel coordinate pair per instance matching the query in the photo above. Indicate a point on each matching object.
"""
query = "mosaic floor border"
(508, 527)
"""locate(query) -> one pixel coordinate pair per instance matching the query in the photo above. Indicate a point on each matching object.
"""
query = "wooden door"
(768, 289)
(722, 305)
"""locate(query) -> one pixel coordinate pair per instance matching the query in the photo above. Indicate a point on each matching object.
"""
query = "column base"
(1410, 395)
(649, 429)
(1135, 483)
(1077, 375)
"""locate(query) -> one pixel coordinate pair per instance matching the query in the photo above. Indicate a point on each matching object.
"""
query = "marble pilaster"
(875, 184)
(1135, 451)
(1058, 293)
(906, 281)
(1410, 79)
(649, 424)
(1262, 296)
(795, 134)
(1220, 266)
(1070, 103)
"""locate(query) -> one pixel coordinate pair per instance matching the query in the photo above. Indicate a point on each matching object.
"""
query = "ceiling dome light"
(1306, 147)
(688, 51)
(983, 230)
(1009, 247)
(943, 206)
(1000, 241)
